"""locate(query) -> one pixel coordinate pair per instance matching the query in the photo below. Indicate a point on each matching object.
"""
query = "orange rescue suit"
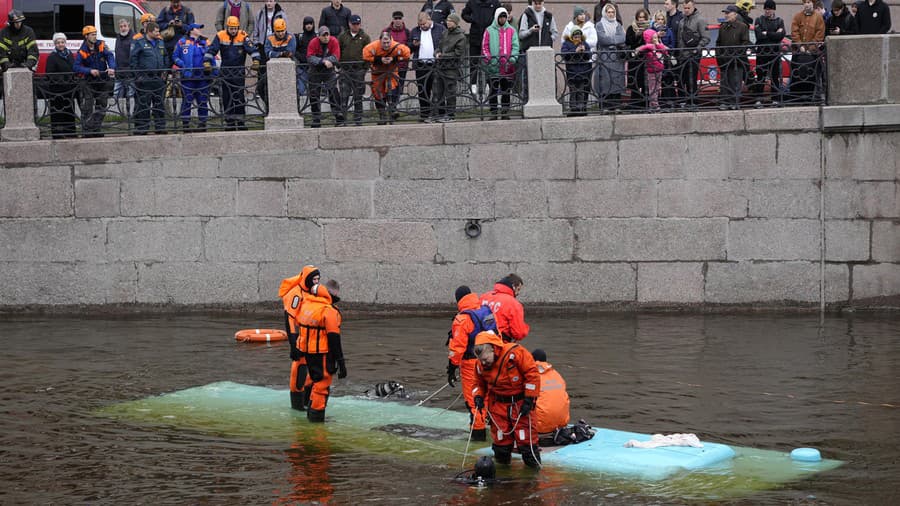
(292, 292)
(552, 409)
(460, 331)
(512, 377)
(508, 312)
(385, 76)
(319, 320)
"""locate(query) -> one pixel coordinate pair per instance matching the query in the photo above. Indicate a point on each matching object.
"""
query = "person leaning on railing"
(385, 56)
(95, 64)
(323, 54)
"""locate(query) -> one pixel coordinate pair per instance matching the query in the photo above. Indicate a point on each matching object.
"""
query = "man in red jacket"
(508, 311)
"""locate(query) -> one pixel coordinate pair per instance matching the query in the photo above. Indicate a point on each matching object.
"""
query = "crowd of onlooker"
(651, 61)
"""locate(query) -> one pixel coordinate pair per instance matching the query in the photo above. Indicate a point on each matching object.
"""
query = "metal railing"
(439, 91)
(140, 102)
(616, 80)
(611, 80)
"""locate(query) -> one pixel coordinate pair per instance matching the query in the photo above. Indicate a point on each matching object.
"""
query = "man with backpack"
(471, 319)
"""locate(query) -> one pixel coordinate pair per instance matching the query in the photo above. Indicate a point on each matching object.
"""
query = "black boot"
(531, 455)
(503, 454)
(315, 415)
(297, 401)
(479, 434)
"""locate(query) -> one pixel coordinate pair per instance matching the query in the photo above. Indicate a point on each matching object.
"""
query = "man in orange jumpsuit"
(552, 410)
(509, 380)
(292, 291)
(507, 309)
(320, 342)
(385, 56)
(472, 319)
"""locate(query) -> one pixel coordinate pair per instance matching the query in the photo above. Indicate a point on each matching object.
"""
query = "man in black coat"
(336, 17)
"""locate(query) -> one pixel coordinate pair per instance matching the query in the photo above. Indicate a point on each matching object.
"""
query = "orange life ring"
(260, 335)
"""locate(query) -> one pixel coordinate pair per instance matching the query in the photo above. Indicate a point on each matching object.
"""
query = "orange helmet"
(233, 21)
(88, 29)
(279, 25)
(147, 17)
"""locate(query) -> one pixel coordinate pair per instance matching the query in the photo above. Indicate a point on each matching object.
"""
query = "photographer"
(172, 21)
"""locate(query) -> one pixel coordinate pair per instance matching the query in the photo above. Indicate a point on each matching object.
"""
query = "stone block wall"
(755, 207)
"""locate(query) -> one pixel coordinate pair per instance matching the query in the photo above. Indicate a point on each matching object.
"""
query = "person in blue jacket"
(234, 46)
(150, 63)
(95, 64)
(189, 53)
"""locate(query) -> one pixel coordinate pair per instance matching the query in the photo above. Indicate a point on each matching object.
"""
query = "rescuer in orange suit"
(552, 410)
(507, 309)
(472, 319)
(509, 383)
(292, 292)
(320, 341)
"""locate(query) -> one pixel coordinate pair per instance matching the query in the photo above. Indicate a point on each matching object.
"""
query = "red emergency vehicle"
(47, 17)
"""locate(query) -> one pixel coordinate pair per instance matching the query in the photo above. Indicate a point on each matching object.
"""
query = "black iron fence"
(141, 102)
(611, 80)
(616, 80)
(425, 91)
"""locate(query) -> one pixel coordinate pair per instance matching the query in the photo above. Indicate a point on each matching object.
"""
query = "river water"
(767, 381)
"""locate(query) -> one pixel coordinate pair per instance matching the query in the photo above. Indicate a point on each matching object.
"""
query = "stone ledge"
(860, 118)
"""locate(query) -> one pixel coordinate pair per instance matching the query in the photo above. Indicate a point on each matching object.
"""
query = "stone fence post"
(863, 83)
(18, 93)
(281, 79)
(864, 69)
(542, 101)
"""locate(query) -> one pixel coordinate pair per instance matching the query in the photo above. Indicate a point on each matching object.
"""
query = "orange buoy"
(260, 335)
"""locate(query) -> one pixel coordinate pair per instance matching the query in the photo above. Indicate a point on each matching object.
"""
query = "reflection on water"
(773, 382)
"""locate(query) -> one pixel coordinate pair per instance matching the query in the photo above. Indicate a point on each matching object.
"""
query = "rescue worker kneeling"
(552, 410)
(508, 378)
(293, 291)
(320, 342)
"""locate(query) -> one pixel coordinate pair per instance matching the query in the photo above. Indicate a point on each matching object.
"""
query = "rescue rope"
(448, 407)
(466, 454)
(423, 401)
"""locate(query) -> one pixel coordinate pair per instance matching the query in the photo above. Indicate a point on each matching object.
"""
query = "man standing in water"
(292, 292)
(508, 382)
(320, 342)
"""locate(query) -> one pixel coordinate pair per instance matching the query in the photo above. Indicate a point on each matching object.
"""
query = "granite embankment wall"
(755, 207)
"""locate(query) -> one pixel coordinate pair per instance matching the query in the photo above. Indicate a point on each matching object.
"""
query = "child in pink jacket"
(654, 52)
